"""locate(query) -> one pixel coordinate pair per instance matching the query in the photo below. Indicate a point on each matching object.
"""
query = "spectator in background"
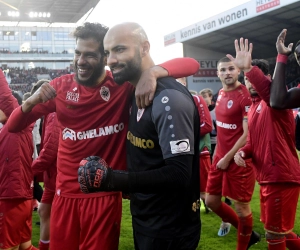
(16, 179)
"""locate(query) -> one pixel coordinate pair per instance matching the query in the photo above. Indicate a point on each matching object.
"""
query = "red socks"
(44, 246)
(292, 241)
(244, 231)
(227, 214)
(31, 248)
(276, 244)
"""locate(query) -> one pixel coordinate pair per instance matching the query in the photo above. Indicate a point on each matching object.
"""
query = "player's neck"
(101, 78)
(231, 86)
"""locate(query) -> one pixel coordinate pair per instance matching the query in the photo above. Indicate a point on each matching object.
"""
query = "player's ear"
(145, 48)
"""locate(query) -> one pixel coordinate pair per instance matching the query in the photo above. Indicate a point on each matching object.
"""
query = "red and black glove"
(94, 175)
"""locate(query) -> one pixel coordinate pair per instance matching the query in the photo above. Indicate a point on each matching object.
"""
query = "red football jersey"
(92, 121)
(231, 108)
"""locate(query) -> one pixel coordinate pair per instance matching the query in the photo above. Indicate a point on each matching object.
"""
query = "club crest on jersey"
(105, 93)
(229, 104)
(139, 114)
(258, 108)
(165, 99)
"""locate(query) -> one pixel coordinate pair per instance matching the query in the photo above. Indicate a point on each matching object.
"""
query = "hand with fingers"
(243, 56)
(45, 93)
(239, 159)
(223, 164)
(145, 89)
(281, 49)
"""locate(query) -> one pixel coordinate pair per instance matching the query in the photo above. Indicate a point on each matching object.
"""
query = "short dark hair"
(262, 64)
(17, 96)
(88, 30)
(37, 85)
(224, 59)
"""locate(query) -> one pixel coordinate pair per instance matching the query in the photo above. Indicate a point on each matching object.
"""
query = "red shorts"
(15, 222)
(278, 205)
(236, 183)
(204, 168)
(48, 196)
(86, 223)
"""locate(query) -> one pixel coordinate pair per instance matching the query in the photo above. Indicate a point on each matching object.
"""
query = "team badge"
(258, 108)
(140, 114)
(104, 93)
(165, 99)
(229, 104)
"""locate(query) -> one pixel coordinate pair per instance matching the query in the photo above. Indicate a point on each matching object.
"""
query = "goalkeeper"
(162, 152)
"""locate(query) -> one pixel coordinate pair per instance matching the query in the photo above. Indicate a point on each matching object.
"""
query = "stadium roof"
(261, 29)
(61, 11)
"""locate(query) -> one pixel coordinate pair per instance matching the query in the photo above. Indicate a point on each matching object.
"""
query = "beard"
(93, 79)
(131, 71)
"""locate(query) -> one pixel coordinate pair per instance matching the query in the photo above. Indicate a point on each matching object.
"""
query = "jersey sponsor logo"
(247, 108)
(229, 104)
(139, 142)
(258, 108)
(139, 114)
(92, 133)
(105, 93)
(180, 146)
(226, 125)
(69, 133)
(165, 99)
(219, 97)
(72, 96)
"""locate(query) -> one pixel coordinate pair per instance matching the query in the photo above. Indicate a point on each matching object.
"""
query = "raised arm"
(178, 67)
(280, 97)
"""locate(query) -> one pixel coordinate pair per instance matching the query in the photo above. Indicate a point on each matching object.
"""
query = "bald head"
(129, 30)
(127, 48)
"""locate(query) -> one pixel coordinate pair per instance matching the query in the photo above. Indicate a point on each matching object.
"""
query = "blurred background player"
(205, 145)
(271, 146)
(16, 179)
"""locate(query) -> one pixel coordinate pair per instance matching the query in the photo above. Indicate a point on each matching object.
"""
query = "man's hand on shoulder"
(146, 86)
